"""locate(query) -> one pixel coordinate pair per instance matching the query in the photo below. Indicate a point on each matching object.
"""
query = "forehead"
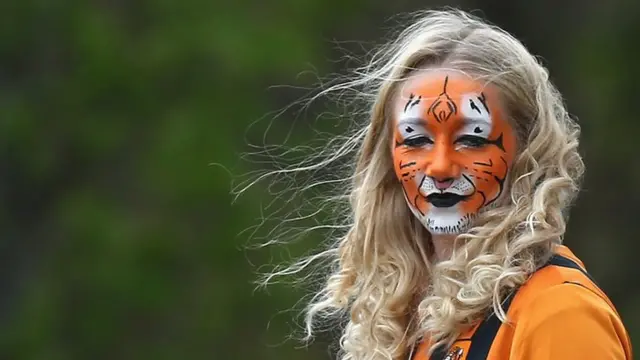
(431, 83)
(448, 100)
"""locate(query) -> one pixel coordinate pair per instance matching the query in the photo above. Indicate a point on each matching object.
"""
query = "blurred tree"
(119, 241)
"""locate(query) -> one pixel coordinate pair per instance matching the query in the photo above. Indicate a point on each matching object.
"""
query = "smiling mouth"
(444, 200)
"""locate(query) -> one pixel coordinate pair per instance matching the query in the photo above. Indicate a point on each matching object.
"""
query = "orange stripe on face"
(452, 148)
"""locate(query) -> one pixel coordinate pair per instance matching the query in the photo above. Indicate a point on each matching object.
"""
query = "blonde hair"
(382, 274)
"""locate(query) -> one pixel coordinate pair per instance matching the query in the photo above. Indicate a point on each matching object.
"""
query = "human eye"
(471, 141)
(417, 141)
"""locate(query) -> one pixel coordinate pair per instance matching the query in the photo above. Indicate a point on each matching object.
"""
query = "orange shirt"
(559, 313)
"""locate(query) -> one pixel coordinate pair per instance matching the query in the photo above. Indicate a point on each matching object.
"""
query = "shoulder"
(560, 302)
(561, 297)
(562, 286)
(563, 317)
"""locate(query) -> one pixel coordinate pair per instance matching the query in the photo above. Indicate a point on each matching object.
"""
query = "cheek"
(487, 169)
(407, 166)
(485, 164)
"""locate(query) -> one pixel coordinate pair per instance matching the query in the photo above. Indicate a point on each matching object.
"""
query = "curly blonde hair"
(383, 274)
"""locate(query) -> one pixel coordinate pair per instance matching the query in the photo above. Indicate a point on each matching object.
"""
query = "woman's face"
(452, 148)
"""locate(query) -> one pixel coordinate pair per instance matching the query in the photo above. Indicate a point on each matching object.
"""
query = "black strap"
(562, 261)
(484, 336)
(439, 353)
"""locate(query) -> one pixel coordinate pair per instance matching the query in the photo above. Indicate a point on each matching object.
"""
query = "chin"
(447, 220)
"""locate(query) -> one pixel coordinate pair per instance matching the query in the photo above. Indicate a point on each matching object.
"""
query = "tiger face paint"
(452, 148)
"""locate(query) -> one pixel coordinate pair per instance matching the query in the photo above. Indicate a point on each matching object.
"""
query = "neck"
(442, 246)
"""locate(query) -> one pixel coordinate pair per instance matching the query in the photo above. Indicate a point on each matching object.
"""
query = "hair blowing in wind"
(379, 278)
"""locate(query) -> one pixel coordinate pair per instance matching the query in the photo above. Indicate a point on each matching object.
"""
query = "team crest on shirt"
(454, 354)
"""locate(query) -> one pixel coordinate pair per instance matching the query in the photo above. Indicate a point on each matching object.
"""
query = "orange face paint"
(452, 148)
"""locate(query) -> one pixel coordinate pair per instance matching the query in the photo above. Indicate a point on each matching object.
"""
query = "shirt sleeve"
(569, 321)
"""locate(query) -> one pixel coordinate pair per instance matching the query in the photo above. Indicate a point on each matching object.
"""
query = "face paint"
(452, 148)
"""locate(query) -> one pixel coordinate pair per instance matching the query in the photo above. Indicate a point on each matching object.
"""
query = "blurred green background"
(120, 240)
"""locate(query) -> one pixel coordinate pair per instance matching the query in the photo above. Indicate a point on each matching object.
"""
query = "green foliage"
(120, 241)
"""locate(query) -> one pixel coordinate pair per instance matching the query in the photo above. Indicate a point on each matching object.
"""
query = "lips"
(444, 200)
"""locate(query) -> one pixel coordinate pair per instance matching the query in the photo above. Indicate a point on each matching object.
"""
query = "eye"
(471, 141)
(417, 141)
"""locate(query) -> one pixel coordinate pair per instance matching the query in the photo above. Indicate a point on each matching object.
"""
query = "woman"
(465, 170)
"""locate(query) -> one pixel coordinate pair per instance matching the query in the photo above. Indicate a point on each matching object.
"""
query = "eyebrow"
(421, 121)
(412, 120)
(475, 120)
